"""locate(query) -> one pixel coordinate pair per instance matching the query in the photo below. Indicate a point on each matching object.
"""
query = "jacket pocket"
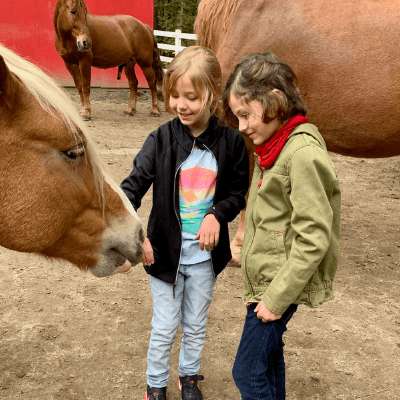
(280, 247)
(265, 257)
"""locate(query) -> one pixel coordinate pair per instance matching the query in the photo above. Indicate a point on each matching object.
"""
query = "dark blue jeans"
(259, 368)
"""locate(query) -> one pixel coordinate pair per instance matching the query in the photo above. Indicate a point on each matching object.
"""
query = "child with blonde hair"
(199, 171)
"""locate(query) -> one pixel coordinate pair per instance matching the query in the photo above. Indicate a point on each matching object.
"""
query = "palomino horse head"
(55, 199)
(71, 20)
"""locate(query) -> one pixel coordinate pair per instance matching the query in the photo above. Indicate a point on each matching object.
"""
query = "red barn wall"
(26, 27)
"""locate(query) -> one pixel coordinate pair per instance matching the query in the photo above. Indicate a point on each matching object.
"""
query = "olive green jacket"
(291, 243)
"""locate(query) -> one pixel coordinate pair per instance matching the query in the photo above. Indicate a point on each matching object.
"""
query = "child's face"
(187, 105)
(250, 120)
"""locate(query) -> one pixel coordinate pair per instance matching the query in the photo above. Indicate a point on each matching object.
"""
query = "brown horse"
(345, 55)
(84, 40)
(55, 199)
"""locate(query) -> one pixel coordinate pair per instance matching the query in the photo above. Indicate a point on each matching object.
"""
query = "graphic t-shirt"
(197, 181)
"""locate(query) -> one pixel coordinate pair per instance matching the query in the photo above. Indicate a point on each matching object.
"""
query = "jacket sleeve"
(237, 182)
(136, 185)
(312, 177)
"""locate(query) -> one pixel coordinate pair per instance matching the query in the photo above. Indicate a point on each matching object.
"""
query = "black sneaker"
(190, 388)
(155, 393)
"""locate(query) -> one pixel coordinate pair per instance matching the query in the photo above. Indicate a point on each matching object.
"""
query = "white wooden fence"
(177, 47)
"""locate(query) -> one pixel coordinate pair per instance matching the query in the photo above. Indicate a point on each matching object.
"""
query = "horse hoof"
(85, 117)
(234, 263)
(129, 113)
(154, 114)
(236, 256)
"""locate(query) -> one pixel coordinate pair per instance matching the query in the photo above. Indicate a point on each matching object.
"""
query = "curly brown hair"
(255, 78)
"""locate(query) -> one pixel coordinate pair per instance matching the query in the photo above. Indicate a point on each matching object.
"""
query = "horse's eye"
(73, 12)
(75, 152)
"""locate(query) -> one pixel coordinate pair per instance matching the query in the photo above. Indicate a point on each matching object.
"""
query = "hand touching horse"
(345, 55)
(55, 199)
(84, 40)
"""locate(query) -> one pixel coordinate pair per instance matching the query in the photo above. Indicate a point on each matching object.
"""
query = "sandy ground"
(67, 335)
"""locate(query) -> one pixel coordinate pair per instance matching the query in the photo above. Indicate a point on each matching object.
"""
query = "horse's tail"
(157, 65)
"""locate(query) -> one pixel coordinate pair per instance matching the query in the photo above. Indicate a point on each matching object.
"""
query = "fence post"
(177, 46)
(178, 41)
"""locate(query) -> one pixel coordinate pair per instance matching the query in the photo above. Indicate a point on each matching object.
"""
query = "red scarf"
(269, 151)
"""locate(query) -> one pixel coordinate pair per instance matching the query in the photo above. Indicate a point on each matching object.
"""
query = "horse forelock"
(211, 12)
(54, 100)
(82, 5)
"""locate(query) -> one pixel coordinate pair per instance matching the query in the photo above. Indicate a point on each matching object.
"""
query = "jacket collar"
(208, 138)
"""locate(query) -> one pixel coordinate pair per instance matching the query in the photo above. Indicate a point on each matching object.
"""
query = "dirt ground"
(66, 335)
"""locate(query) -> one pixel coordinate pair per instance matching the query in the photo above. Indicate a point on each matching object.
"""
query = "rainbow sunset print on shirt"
(196, 192)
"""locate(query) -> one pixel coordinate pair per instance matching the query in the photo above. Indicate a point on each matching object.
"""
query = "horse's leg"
(76, 76)
(85, 67)
(236, 244)
(151, 80)
(133, 86)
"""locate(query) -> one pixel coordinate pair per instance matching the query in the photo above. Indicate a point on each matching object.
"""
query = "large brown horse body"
(84, 40)
(55, 198)
(344, 53)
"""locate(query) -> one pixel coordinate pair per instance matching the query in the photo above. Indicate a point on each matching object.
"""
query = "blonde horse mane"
(211, 12)
(54, 100)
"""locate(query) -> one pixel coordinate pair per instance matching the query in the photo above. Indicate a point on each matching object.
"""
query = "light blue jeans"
(189, 306)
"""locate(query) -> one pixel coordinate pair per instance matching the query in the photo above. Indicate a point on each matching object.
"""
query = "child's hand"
(264, 314)
(208, 232)
(148, 255)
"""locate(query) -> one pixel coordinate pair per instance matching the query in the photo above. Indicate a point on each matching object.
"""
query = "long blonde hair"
(53, 99)
(204, 71)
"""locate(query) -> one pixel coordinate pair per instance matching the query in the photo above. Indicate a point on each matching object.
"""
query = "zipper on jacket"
(216, 161)
(262, 172)
(252, 220)
(179, 221)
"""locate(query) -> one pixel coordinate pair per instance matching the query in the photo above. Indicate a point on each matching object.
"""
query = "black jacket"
(158, 163)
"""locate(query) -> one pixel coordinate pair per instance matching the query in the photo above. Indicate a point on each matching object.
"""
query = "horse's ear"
(10, 90)
(4, 72)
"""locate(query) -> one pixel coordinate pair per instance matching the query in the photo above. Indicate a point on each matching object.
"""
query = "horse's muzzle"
(122, 240)
(84, 45)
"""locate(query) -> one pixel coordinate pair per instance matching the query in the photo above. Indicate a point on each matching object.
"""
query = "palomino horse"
(345, 55)
(84, 40)
(55, 199)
